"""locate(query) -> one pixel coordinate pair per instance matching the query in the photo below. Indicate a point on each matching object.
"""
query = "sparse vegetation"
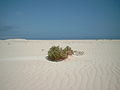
(78, 53)
(56, 53)
(68, 50)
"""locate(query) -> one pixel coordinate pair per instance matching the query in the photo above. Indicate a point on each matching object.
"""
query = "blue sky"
(60, 17)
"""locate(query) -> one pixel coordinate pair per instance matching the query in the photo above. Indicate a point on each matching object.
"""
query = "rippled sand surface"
(23, 65)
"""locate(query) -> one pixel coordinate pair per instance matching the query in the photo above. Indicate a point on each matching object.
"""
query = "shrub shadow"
(52, 60)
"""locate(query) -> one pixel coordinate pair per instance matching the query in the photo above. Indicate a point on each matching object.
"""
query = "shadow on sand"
(52, 60)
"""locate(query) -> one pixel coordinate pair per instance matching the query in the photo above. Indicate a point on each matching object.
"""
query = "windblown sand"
(23, 65)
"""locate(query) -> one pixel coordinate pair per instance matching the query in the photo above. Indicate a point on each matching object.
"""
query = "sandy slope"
(23, 66)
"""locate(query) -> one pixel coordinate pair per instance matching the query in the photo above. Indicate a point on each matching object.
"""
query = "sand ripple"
(97, 69)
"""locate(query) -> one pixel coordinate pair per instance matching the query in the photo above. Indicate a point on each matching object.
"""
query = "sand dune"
(23, 65)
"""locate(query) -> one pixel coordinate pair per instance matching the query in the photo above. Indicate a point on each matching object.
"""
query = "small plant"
(78, 53)
(56, 53)
(68, 50)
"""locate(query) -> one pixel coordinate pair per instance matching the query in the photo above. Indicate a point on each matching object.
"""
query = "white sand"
(23, 65)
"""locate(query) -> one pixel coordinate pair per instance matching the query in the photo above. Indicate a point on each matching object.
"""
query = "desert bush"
(68, 50)
(56, 53)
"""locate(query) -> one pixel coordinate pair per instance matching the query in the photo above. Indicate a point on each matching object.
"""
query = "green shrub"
(68, 50)
(56, 53)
